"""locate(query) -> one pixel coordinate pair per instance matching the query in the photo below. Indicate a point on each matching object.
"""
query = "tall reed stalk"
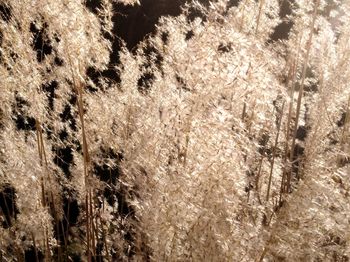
(301, 88)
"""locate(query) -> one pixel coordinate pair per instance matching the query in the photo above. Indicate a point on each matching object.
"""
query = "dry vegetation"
(222, 137)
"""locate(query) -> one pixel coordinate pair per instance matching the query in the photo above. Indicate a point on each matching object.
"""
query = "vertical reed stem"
(259, 16)
(274, 152)
(301, 89)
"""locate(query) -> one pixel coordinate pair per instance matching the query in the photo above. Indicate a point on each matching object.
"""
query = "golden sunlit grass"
(218, 143)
